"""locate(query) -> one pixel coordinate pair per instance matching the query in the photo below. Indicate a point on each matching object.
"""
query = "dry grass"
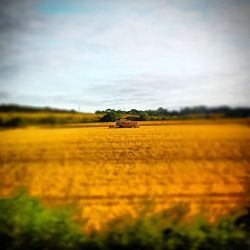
(108, 172)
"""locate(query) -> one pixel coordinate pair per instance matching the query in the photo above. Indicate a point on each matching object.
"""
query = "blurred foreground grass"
(26, 224)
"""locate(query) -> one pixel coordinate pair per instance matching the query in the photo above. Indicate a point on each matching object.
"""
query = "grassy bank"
(23, 119)
(26, 224)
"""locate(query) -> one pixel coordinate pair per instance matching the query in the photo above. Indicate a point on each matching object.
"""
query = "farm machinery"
(124, 123)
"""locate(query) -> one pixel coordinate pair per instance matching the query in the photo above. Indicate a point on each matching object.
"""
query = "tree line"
(26, 108)
(183, 113)
(109, 115)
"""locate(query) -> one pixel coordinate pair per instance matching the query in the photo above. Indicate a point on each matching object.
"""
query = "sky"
(96, 54)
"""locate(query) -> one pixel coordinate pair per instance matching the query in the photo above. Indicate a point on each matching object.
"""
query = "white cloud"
(142, 53)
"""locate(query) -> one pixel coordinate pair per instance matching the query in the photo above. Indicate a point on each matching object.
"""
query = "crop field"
(109, 172)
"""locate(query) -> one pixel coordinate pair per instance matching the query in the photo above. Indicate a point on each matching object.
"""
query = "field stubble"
(109, 172)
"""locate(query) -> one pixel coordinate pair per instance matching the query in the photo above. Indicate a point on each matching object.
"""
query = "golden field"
(109, 172)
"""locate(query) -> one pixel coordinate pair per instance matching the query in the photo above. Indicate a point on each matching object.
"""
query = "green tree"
(109, 117)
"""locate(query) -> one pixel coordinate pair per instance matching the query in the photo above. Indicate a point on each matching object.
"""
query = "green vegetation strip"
(26, 224)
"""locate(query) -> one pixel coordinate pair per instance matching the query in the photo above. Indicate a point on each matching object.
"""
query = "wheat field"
(109, 172)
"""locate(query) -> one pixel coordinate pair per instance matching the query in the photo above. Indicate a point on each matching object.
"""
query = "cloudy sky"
(98, 54)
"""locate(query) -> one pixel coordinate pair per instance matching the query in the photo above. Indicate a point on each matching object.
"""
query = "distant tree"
(142, 117)
(14, 122)
(25, 108)
(109, 111)
(174, 113)
(161, 111)
(134, 112)
(109, 117)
